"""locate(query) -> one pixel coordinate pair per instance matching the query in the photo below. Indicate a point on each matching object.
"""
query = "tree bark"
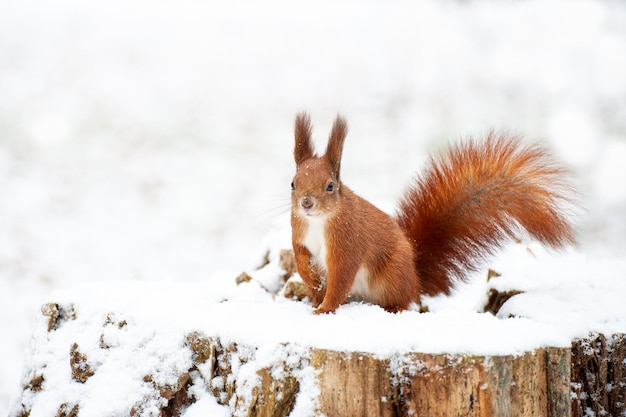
(598, 381)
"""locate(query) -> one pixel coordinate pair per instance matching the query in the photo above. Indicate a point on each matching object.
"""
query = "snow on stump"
(256, 381)
(145, 349)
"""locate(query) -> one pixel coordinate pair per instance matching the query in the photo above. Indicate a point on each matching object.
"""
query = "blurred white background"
(152, 140)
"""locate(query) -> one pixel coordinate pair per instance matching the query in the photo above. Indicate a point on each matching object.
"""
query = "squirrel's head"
(316, 188)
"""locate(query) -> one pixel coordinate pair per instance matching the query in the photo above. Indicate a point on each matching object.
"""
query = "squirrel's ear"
(303, 149)
(335, 144)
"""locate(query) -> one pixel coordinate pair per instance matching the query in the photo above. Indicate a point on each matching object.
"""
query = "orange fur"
(474, 198)
(467, 204)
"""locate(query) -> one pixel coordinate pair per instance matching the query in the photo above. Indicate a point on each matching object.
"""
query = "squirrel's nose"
(307, 202)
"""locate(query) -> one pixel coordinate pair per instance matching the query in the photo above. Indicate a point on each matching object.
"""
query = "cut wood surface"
(419, 384)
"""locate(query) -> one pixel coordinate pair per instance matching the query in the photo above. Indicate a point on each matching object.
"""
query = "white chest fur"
(314, 240)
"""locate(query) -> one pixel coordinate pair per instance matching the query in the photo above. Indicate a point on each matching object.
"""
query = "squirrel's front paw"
(324, 310)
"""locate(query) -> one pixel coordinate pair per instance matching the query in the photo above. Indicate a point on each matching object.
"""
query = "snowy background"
(152, 141)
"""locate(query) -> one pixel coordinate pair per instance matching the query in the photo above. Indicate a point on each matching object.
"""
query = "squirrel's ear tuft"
(303, 149)
(335, 144)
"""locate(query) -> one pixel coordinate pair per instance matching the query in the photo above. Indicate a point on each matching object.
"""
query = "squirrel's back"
(477, 195)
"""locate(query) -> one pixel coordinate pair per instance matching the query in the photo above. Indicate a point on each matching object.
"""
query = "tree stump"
(589, 378)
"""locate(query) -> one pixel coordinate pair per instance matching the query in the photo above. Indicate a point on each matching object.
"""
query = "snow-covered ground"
(152, 140)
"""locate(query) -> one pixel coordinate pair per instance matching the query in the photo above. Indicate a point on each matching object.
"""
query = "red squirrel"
(467, 204)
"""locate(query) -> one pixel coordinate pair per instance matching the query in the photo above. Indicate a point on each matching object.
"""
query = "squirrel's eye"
(330, 187)
(293, 187)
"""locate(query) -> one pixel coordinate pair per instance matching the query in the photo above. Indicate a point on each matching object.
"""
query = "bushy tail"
(474, 198)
